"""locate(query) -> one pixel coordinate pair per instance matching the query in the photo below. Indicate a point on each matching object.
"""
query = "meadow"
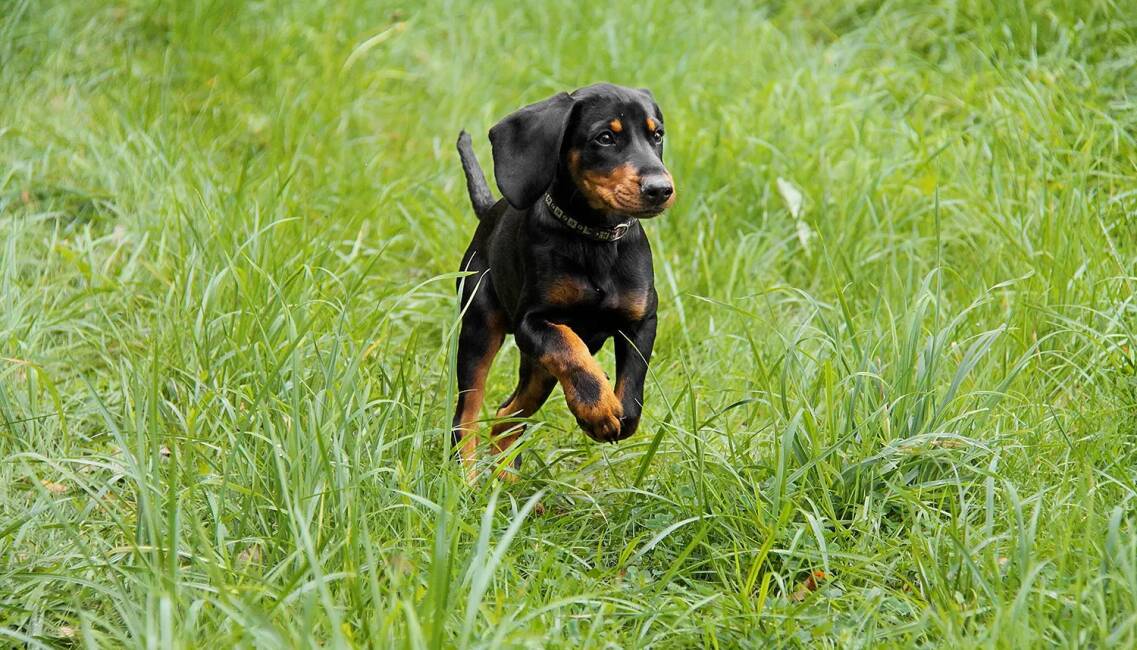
(893, 401)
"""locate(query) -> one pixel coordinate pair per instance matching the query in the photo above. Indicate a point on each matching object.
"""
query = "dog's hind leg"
(534, 384)
(478, 343)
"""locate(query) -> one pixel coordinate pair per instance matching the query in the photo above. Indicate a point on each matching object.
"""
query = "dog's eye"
(657, 137)
(604, 139)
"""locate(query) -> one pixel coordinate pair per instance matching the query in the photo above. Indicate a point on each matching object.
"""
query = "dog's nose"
(657, 189)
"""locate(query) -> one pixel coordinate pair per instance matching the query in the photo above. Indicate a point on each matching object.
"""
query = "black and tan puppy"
(562, 262)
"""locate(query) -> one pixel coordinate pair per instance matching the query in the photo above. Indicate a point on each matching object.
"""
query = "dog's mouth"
(640, 209)
(618, 190)
(624, 198)
(647, 211)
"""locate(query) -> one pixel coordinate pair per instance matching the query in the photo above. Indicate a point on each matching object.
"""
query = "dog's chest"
(606, 293)
(589, 281)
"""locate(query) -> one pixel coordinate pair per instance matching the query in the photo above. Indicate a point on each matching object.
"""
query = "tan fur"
(472, 406)
(617, 190)
(634, 305)
(571, 356)
(565, 291)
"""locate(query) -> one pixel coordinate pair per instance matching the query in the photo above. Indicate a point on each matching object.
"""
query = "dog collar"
(599, 234)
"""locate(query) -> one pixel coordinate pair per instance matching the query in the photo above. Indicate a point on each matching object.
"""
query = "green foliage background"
(228, 232)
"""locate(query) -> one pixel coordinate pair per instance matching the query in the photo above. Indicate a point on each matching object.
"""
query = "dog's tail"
(476, 184)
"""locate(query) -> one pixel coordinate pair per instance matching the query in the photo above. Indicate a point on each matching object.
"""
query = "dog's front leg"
(633, 353)
(587, 391)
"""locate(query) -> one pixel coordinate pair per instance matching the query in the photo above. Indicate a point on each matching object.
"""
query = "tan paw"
(600, 419)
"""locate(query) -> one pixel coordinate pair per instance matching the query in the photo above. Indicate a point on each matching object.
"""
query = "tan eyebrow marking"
(616, 125)
(650, 124)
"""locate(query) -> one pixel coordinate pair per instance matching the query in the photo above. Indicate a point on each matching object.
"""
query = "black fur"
(534, 275)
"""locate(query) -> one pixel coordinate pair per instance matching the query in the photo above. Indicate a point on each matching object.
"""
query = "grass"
(228, 238)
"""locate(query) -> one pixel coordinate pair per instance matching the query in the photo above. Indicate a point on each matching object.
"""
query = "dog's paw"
(603, 429)
(628, 426)
(600, 418)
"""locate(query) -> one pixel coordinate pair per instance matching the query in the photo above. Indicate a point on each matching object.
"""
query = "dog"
(562, 263)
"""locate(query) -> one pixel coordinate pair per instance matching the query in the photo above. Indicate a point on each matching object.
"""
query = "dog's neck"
(567, 221)
(566, 195)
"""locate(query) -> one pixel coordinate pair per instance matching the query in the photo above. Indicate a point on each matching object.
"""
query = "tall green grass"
(228, 238)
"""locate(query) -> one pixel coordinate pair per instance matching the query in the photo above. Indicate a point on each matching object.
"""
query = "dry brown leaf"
(948, 443)
(808, 586)
(400, 564)
(251, 555)
(53, 487)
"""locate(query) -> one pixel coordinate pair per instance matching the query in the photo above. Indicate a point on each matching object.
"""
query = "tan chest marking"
(566, 291)
(634, 305)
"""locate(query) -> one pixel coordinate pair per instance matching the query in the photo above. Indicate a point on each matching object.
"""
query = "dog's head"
(606, 140)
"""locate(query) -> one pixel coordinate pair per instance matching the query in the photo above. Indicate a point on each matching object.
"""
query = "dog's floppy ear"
(526, 149)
